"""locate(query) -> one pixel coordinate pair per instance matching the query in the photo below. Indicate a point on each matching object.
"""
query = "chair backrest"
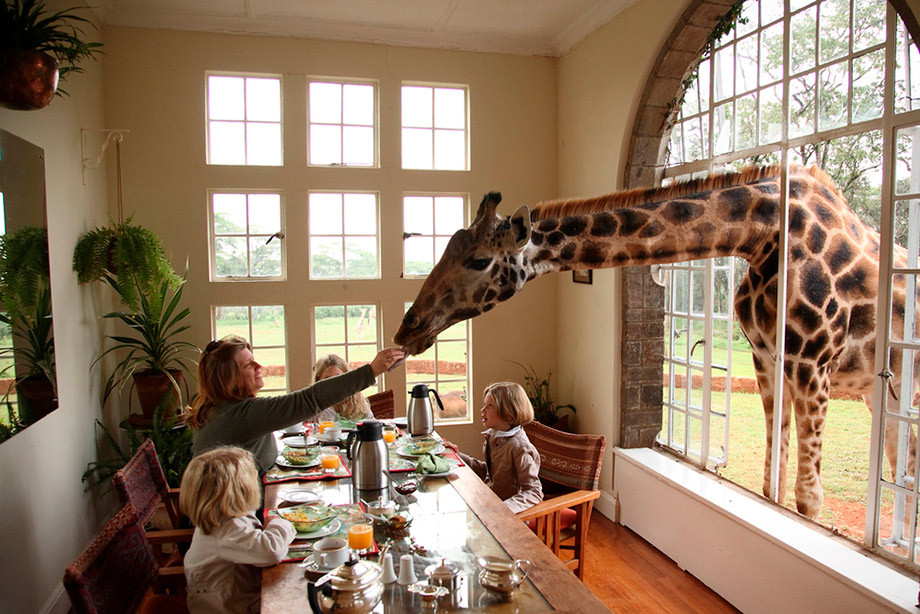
(141, 482)
(113, 574)
(571, 459)
(383, 405)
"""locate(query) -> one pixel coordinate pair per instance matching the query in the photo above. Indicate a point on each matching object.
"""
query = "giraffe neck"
(737, 220)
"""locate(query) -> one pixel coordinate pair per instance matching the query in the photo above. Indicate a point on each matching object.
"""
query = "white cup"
(332, 433)
(330, 552)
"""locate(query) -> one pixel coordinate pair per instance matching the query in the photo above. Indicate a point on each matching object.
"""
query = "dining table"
(455, 519)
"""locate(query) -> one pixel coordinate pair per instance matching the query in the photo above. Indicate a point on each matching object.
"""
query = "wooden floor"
(630, 575)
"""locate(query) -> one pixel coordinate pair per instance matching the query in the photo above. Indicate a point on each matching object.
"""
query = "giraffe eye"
(479, 264)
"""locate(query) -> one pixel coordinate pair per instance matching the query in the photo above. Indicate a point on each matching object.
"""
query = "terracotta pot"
(37, 398)
(151, 385)
(28, 79)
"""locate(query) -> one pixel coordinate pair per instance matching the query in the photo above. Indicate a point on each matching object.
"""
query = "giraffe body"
(832, 281)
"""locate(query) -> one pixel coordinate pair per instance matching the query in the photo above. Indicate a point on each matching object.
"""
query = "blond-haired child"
(512, 463)
(220, 493)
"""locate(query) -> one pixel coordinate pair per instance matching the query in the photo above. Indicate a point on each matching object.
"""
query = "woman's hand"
(386, 359)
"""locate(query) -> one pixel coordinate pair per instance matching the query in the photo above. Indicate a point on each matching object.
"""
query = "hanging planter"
(28, 79)
(37, 49)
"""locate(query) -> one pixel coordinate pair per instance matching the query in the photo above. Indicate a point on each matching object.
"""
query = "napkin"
(431, 463)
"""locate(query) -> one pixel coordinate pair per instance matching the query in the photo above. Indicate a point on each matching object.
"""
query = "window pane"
(325, 144)
(448, 214)
(268, 325)
(226, 143)
(868, 81)
(833, 96)
(907, 220)
(907, 73)
(440, 244)
(358, 104)
(802, 105)
(746, 64)
(360, 214)
(417, 148)
(361, 257)
(771, 54)
(326, 257)
(723, 129)
(746, 121)
(417, 107)
(230, 257)
(325, 103)
(231, 320)
(450, 150)
(265, 258)
(263, 144)
(419, 255)
(229, 213)
(325, 213)
(263, 100)
(225, 98)
(330, 325)
(771, 114)
(358, 145)
(869, 23)
(264, 213)
(835, 29)
(418, 214)
(449, 108)
(803, 40)
(724, 73)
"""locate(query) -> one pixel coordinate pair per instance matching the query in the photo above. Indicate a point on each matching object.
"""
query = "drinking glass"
(325, 424)
(361, 537)
(329, 459)
(389, 434)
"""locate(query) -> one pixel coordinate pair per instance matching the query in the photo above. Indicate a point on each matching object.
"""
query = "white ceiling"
(527, 27)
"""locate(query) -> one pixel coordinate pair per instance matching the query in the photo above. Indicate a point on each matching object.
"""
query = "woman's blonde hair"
(355, 406)
(219, 379)
(219, 484)
(511, 401)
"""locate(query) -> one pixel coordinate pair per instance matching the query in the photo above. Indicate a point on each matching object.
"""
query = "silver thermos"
(367, 452)
(419, 413)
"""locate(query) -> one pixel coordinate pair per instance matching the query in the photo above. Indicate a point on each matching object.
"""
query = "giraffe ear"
(520, 226)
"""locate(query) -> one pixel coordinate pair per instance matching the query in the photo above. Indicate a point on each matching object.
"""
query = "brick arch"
(642, 300)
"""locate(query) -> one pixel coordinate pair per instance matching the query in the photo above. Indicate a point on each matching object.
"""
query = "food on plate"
(299, 456)
(308, 518)
(421, 446)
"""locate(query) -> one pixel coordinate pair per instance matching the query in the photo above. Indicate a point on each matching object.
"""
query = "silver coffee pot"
(419, 413)
(367, 452)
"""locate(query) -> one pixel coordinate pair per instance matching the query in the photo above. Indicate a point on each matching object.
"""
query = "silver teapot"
(419, 414)
(354, 588)
(501, 576)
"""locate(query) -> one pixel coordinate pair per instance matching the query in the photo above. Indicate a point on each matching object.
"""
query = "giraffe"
(832, 282)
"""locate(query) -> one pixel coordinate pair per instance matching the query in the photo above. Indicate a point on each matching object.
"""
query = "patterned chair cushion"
(570, 459)
(141, 482)
(382, 405)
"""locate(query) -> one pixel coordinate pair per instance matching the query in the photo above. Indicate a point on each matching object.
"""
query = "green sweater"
(250, 423)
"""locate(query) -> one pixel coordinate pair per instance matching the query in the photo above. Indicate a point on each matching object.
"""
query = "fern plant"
(130, 258)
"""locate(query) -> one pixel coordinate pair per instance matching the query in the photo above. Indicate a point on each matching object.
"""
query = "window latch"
(406, 235)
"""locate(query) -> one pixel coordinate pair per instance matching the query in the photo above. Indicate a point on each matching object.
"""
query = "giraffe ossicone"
(832, 282)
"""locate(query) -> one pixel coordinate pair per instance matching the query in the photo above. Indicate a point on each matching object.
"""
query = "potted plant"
(132, 261)
(37, 48)
(545, 410)
(25, 292)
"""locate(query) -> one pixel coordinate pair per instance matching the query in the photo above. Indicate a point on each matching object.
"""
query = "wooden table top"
(458, 518)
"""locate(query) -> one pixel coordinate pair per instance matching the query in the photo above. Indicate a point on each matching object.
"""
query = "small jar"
(444, 574)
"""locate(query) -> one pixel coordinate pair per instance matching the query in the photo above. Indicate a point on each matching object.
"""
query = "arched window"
(828, 82)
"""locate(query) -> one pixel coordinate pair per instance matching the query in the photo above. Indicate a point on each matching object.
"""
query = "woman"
(228, 412)
(354, 407)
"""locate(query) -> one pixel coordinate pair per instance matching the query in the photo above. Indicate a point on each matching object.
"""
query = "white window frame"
(278, 236)
(245, 122)
(465, 197)
(375, 126)
(316, 349)
(257, 348)
(344, 236)
(435, 129)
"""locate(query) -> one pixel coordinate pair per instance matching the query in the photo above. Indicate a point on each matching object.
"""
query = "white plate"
(329, 529)
(401, 450)
(283, 463)
(299, 495)
(323, 437)
(296, 441)
(312, 567)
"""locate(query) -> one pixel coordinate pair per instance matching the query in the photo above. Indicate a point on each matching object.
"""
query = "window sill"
(756, 557)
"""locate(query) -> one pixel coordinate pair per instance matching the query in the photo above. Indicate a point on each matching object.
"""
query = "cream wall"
(45, 517)
(155, 89)
(599, 84)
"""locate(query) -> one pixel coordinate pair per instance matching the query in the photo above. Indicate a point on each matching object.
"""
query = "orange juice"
(389, 436)
(330, 461)
(325, 424)
(360, 537)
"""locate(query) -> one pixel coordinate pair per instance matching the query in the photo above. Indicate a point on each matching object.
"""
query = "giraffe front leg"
(765, 383)
(810, 414)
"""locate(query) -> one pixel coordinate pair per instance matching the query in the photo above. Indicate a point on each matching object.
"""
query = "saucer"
(311, 568)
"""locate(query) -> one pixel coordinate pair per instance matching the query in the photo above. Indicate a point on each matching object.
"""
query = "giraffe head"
(481, 266)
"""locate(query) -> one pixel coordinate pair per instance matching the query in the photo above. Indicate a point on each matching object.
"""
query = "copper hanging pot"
(28, 79)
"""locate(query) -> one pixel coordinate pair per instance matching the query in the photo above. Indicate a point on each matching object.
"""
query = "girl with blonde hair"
(220, 493)
(512, 464)
(228, 412)
(354, 407)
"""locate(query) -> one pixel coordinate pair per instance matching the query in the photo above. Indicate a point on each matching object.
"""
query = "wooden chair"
(383, 405)
(141, 483)
(570, 467)
(119, 573)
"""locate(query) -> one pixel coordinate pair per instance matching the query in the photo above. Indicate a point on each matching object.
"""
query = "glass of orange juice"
(325, 424)
(329, 459)
(389, 434)
(361, 537)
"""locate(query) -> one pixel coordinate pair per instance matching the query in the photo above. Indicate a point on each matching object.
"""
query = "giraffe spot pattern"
(853, 282)
(797, 219)
(572, 226)
(555, 238)
(536, 238)
(816, 238)
(683, 211)
(862, 321)
(806, 317)
(630, 221)
(733, 204)
(603, 225)
(651, 230)
(814, 346)
(592, 253)
(568, 252)
(764, 212)
(794, 341)
(547, 225)
(815, 284)
(839, 257)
